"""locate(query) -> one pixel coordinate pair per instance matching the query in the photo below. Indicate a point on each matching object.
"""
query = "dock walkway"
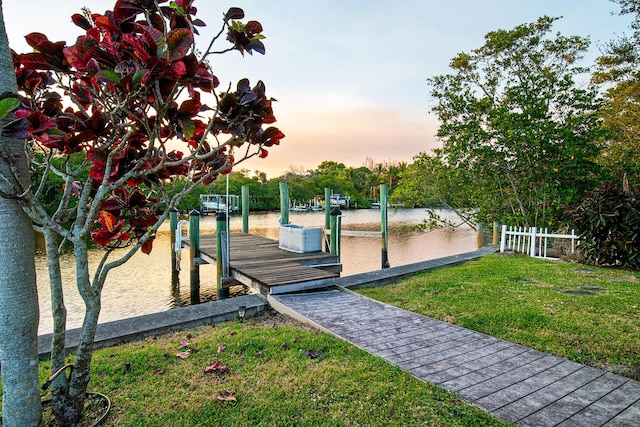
(260, 264)
(515, 383)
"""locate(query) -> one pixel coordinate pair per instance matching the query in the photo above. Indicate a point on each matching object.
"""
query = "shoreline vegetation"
(272, 370)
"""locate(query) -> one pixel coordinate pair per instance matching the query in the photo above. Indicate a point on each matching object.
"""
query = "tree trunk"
(19, 316)
(72, 402)
(59, 386)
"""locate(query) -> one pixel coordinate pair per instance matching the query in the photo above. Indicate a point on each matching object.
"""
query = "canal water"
(143, 284)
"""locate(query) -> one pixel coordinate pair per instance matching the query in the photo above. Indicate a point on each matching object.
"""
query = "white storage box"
(296, 238)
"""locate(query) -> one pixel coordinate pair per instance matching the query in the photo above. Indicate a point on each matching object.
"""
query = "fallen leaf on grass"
(158, 372)
(221, 348)
(218, 367)
(312, 354)
(296, 339)
(127, 367)
(284, 345)
(183, 344)
(260, 354)
(226, 396)
(213, 367)
(233, 333)
(184, 354)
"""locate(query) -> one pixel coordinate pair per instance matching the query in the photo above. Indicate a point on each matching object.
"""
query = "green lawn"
(288, 375)
(285, 375)
(586, 314)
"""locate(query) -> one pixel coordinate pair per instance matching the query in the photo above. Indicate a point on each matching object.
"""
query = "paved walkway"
(515, 383)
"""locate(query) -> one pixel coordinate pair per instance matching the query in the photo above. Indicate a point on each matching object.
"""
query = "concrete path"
(515, 383)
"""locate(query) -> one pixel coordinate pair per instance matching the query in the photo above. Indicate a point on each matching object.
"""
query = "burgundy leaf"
(81, 21)
(40, 61)
(35, 39)
(189, 108)
(252, 28)
(234, 13)
(179, 43)
(147, 247)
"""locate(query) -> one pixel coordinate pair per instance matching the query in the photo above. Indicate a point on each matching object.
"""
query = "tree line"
(360, 184)
(526, 131)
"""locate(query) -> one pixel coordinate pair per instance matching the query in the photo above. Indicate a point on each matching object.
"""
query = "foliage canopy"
(519, 132)
(110, 119)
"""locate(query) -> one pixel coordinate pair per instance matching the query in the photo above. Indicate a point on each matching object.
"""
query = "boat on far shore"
(376, 205)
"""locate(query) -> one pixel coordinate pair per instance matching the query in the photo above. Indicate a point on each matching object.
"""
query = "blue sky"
(349, 76)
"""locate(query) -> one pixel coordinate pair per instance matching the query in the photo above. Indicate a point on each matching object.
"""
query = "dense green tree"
(429, 182)
(618, 69)
(517, 127)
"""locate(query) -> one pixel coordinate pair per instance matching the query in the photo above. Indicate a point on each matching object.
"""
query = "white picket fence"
(533, 241)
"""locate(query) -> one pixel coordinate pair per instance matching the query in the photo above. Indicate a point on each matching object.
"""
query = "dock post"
(327, 216)
(284, 203)
(194, 255)
(173, 226)
(222, 254)
(384, 224)
(335, 231)
(245, 209)
(496, 233)
(338, 234)
(479, 235)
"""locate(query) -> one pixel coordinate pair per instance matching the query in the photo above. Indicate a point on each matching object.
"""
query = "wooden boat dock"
(258, 262)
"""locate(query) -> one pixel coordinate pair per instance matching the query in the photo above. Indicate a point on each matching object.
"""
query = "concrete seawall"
(140, 327)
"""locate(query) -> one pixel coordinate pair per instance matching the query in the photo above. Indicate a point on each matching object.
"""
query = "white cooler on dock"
(296, 238)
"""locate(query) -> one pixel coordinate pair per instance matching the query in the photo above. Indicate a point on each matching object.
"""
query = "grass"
(312, 380)
(588, 315)
(286, 374)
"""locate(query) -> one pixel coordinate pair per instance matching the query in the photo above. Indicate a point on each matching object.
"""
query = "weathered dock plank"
(517, 384)
(260, 264)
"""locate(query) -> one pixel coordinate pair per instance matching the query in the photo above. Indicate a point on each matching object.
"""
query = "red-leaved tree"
(116, 115)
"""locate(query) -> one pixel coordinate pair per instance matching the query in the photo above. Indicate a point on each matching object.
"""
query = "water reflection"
(143, 284)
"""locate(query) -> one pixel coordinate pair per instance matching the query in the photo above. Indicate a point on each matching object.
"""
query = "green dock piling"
(334, 245)
(222, 255)
(245, 209)
(327, 216)
(384, 224)
(194, 256)
(173, 226)
(284, 203)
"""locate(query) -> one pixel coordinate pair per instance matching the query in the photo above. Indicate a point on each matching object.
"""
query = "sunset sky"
(349, 76)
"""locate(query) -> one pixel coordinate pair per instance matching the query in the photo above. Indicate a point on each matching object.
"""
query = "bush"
(608, 221)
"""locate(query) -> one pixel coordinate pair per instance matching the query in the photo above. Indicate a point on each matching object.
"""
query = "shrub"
(608, 220)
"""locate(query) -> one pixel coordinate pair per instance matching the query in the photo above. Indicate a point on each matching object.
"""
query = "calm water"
(143, 285)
